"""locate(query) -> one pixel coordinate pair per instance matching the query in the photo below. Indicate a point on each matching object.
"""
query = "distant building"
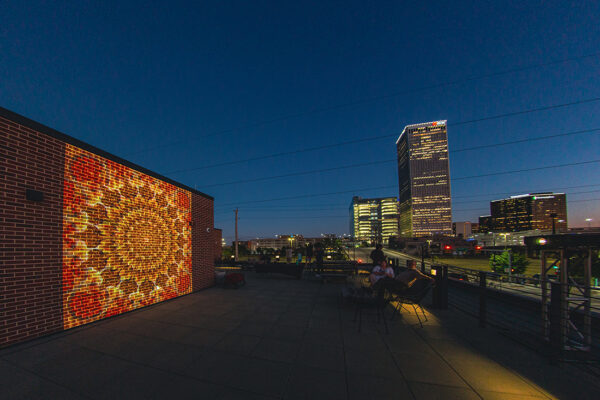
(277, 242)
(526, 212)
(474, 227)
(485, 224)
(461, 229)
(424, 180)
(503, 239)
(280, 241)
(374, 220)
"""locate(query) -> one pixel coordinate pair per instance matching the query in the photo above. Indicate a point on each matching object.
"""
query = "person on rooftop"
(381, 271)
(377, 255)
(411, 275)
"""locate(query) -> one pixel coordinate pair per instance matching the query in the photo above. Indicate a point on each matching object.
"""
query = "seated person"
(382, 270)
(411, 275)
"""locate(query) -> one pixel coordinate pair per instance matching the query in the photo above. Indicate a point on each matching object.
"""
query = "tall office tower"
(374, 220)
(424, 180)
(528, 212)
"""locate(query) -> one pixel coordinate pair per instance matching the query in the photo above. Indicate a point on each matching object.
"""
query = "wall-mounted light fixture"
(34, 195)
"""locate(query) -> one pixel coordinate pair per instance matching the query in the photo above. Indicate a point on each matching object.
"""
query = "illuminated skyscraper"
(528, 212)
(374, 220)
(424, 180)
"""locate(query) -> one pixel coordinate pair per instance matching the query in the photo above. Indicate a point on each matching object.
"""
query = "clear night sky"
(130, 76)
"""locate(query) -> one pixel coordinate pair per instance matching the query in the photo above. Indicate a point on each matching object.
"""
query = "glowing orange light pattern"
(126, 239)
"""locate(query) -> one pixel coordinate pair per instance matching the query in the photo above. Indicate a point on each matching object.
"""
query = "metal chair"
(411, 296)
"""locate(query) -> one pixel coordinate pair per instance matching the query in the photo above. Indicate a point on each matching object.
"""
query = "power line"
(583, 200)
(308, 208)
(314, 171)
(313, 195)
(471, 121)
(296, 217)
(268, 210)
(525, 170)
(533, 139)
(346, 216)
(391, 186)
(527, 190)
(276, 210)
(482, 201)
(369, 100)
(296, 209)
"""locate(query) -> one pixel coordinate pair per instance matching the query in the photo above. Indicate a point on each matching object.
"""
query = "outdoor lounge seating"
(411, 296)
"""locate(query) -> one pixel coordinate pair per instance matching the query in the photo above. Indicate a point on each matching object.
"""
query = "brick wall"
(108, 236)
(202, 242)
(30, 233)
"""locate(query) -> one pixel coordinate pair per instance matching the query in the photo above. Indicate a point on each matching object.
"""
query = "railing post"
(482, 298)
(435, 271)
(440, 290)
(444, 287)
(557, 321)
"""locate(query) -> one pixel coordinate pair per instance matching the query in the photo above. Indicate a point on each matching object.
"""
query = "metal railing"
(567, 322)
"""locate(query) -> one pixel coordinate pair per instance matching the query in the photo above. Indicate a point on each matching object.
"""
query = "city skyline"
(178, 90)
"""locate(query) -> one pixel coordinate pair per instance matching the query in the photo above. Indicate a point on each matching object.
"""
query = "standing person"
(299, 259)
(319, 253)
(377, 255)
(288, 255)
(309, 253)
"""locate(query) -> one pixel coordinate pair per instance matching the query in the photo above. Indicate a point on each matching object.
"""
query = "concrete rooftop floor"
(280, 338)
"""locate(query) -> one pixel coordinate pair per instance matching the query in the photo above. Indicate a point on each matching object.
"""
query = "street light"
(589, 221)
(560, 221)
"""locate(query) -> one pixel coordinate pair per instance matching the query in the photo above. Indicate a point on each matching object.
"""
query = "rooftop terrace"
(280, 338)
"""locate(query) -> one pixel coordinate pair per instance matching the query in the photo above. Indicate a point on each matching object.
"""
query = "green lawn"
(483, 264)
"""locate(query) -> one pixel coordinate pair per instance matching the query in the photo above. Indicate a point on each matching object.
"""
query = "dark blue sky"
(131, 76)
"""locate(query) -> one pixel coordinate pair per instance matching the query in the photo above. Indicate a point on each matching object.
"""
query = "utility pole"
(236, 234)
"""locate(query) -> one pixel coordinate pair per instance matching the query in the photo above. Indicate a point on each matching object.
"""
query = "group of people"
(382, 276)
(307, 253)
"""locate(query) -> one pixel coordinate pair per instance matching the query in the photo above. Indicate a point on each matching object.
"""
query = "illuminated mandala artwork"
(126, 239)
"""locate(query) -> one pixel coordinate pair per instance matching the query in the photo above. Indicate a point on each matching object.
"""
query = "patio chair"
(411, 296)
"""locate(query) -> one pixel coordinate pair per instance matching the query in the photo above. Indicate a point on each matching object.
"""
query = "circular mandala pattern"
(126, 239)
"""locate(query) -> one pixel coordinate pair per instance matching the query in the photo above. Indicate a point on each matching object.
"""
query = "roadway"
(362, 254)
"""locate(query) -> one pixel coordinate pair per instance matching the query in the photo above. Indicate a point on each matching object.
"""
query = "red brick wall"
(39, 250)
(203, 267)
(30, 233)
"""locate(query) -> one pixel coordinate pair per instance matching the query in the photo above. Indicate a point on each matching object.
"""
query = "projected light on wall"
(126, 239)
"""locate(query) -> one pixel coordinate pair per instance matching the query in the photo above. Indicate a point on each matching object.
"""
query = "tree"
(576, 265)
(499, 263)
